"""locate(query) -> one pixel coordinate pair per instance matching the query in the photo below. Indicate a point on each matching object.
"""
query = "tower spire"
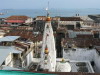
(48, 53)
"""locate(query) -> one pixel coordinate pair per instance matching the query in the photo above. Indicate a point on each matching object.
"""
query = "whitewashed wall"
(97, 61)
(2, 34)
(80, 54)
(29, 58)
(8, 61)
(84, 55)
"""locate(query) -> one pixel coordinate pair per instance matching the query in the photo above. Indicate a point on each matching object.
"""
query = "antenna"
(48, 4)
(47, 9)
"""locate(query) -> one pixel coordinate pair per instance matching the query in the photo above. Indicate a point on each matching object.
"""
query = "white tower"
(48, 53)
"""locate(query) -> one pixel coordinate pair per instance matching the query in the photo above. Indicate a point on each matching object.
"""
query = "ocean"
(53, 12)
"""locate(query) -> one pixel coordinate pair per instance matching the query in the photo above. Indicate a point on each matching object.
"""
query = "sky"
(41, 4)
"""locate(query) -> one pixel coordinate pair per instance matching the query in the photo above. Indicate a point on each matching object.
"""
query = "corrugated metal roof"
(9, 38)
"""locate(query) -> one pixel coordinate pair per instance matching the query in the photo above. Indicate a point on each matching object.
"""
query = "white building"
(8, 53)
(84, 54)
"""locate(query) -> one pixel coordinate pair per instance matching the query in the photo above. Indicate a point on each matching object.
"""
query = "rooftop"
(44, 18)
(80, 42)
(5, 51)
(70, 19)
(26, 35)
(78, 66)
(9, 38)
(17, 18)
(86, 18)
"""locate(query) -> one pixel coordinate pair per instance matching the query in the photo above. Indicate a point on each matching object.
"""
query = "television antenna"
(47, 9)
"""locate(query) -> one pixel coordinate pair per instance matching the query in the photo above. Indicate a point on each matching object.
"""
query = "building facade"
(18, 20)
(70, 22)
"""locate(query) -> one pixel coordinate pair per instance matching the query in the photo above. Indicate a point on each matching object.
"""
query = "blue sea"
(53, 12)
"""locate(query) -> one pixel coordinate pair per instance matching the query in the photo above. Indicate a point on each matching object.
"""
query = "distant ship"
(1, 13)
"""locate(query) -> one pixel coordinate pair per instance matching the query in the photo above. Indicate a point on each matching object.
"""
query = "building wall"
(29, 20)
(73, 34)
(8, 61)
(97, 61)
(1, 21)
(80, 54)
(40, 24)
(29, 58)
(14, 24)
(2, 34)
(84, 55)
(69, 23)
(59, 51)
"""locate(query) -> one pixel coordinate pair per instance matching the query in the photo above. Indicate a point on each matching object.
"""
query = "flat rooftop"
(76, 66)
(81, 67)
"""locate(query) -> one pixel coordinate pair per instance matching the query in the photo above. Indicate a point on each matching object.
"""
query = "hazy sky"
(34, 4)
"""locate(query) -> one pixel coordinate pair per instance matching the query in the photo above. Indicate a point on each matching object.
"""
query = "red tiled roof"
(15, 21)
(17, 18)
(26, 35)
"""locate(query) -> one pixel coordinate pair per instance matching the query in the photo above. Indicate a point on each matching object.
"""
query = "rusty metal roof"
(26, 35)
(82, 42)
